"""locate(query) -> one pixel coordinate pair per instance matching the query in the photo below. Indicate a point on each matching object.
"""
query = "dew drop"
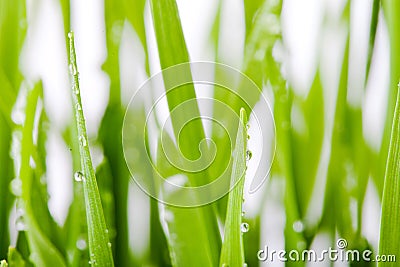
(247, 126)
(249, 154)
(225, 265)
(82, 140)
(298, 226)
(106, 231)
(248, 137)
(244, 227)
(78, 106)
(244, 264)
(78, 176)
(243, 213)
(81, 244)
(70, 34)
(16, 187)
(109, 244)
(75, 90)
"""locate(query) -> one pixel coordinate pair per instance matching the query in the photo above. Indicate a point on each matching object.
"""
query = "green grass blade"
(372, 34)
(391, 10)
(110, 133)
(42, 251)
(12, 34)
(232, 252)
(99, 245)
(307, 142)
(389, 243)
(172, 50)
(14, 258)
(189, 243)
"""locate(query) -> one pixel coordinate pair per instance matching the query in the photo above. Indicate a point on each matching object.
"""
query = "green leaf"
(389, 243)
(12, 35)
(181, 234)
(172, 51)
(391, 10)
(42, 251)
(99, 245)
(372, 34)
(232, 252)
(14, 258)
(307, 142)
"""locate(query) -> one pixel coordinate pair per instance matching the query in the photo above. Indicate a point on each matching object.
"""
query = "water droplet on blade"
(109, 244)
(244, 227)
(82, 140)
(78, 176)
(298, 226)
(249, 154)
(81, 244)
(16, 187)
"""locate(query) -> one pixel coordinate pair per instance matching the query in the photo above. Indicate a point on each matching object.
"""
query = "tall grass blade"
(232, 252)
(391, 10)
(99, 245)
(307, 142)
(42, 251)
(389, 243)
(189, 243)
(172, 50)
(12, 34)
(372, 35)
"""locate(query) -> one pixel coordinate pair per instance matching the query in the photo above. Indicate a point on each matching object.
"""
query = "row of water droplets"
(244, 227)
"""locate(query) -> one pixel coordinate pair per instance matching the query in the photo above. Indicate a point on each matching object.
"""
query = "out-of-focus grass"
(192, 236)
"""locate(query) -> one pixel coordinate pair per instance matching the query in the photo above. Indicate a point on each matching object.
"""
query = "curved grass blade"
(389, 243)
(99, 245)
(232, 252)
(172, 50)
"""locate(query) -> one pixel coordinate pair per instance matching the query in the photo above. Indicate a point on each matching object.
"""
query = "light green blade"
(389, 243)
(232, 253)
(99, 244)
